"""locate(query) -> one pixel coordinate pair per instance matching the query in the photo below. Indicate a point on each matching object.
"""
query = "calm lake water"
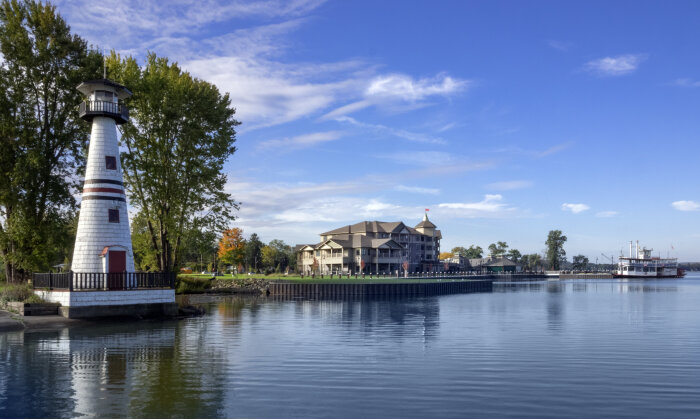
(601, 348)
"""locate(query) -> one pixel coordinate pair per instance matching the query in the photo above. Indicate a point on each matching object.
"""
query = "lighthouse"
(103, 239)
(102, 281)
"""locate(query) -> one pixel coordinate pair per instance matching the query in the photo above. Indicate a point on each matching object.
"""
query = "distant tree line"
(252, 255)
(554, 257)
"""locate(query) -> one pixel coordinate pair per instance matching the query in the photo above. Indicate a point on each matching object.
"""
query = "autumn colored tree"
(446, 255)
(232, 247)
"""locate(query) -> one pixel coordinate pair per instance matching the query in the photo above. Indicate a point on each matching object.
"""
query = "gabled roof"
(390, 243)
(368, 227)
(356, 242)
(425, 223)
(300, 247)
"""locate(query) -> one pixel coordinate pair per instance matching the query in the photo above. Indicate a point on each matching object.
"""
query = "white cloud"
(300, 141)
(686, 205)
(510, 185)
(616, 66)
(384, 130)
(606, 214)
(575, 208)
(403, 87)
(248, 61)
(401, 91)
(418, 190)
(686, 83)
(490, 206)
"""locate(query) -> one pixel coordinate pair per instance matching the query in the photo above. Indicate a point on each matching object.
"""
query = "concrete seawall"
(406, 289)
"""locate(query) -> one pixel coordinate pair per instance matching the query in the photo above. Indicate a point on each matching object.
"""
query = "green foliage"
(532, 262)
(580, 263)
(556, 255)
(19, 293)
(145, 257)
(181, 134)
(41, 134)
(514, 255)
(498, 249)
(474, 252)
(189, 285)
(253, 253)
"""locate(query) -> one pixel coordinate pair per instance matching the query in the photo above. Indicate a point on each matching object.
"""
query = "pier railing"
(98, 281)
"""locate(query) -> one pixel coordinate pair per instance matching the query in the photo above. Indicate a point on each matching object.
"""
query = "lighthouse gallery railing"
(98, 107)
(81, 281)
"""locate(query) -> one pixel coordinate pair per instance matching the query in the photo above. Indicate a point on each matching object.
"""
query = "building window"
(111, 162)
(113, 215)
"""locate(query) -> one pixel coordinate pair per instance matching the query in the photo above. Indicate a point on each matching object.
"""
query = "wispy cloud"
(615, 66)
(538, 154)
(685, 83)
(575, 208)
(490, 206)
(249, 62)
(384, 130)
(559, 45)
(417, 190)
(509, 185)
(422, 158)
(606, 214)
(300, 141)
(401, 91)
(403, 87)
(686, 205)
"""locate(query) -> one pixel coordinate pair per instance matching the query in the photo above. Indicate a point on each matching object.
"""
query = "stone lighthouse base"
(122, 303)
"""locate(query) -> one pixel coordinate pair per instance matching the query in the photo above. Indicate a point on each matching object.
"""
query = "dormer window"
(111, 162)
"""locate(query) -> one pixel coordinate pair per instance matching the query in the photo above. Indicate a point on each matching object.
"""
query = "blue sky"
(505, 119)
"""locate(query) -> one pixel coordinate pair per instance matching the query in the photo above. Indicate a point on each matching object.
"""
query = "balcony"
(92, 108)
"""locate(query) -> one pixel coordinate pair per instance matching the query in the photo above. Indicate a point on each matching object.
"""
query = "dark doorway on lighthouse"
(116, 277)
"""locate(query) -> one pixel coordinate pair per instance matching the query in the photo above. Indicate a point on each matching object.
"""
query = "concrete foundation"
(126, 303)
(124, 310)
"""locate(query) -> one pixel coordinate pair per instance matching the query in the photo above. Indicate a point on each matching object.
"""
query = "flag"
(427, 209)
(673, 248)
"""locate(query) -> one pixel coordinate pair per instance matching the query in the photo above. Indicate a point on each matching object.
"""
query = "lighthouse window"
(111, 162)
(113, 215)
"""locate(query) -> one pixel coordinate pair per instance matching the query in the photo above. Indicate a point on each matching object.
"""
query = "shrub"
(184, 285)
(19, 293)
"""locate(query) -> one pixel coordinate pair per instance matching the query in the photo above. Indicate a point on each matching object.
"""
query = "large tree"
(580, 263)
(474, 252)
(514, 255)
(253, 252)
(555, 249)
(232, 247)
(498, 249)
(182, 131)
(41, 135)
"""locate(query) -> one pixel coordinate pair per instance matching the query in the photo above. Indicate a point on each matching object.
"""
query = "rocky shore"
(240, 286)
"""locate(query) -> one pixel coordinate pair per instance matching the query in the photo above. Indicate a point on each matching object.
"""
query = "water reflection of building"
(392, 316)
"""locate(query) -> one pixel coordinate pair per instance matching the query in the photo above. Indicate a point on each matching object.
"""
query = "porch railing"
(84, 281)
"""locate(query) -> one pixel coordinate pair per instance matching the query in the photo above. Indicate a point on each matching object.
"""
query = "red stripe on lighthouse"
(110, 190)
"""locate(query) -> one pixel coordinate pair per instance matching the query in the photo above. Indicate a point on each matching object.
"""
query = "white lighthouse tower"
(102, 281)
(103, 239)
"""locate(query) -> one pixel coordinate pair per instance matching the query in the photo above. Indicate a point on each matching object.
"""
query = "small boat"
(643, 265)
